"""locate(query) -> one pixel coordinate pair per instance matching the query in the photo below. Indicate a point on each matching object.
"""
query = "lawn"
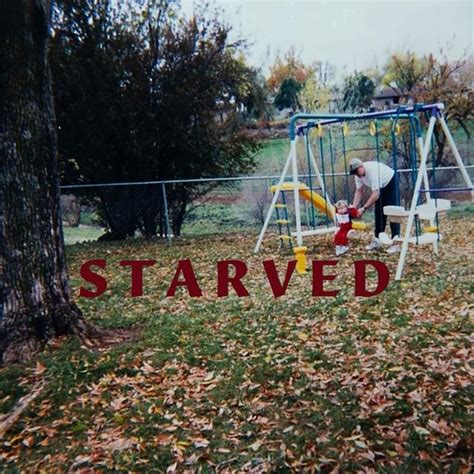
(259, 384)
(82, 233)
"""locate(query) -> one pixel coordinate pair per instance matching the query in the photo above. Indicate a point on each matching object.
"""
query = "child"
(344, 215)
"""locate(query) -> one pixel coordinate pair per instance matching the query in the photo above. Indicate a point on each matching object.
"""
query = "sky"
(352, 35)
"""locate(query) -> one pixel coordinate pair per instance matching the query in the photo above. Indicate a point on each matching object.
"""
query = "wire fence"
(170, 208)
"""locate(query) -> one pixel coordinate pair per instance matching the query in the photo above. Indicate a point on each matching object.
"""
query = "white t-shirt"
(377, 175)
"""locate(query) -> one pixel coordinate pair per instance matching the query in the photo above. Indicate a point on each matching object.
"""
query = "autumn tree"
(36, 299)
(405, 72)
(429, 79)
(288, 66)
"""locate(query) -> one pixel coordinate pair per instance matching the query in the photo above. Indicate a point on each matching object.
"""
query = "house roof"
(388, 93)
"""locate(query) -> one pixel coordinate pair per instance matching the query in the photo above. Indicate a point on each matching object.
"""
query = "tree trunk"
(440, 139)
(36, 302)
(150, 206)
(178, 215)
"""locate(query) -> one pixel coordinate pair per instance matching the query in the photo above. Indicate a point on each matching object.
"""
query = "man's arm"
(357, 198)
(372, 198)
(370, 202)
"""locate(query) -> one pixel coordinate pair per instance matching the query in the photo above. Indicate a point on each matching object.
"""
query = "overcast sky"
(350, 34)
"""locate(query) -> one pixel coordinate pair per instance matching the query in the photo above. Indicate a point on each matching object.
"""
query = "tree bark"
(440, 138)
(36, 302)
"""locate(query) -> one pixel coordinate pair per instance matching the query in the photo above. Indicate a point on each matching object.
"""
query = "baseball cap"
(354, 164)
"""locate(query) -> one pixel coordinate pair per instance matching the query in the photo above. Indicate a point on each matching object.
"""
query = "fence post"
(167, 218)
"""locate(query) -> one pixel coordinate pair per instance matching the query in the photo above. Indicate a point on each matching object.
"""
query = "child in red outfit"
(344, 215)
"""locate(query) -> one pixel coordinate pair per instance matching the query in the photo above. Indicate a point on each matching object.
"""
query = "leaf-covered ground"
(258, 384)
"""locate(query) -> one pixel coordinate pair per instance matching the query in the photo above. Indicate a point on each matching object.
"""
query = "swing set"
(319, 131)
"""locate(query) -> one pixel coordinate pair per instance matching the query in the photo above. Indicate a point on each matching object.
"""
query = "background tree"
(102, 103)
(405, 72)
(288, 66)
(358, 92)
(324, 73)
(201, 77)
(256, 97)
(314, 96)
(144, 95)
(287, 96)
(36, 299)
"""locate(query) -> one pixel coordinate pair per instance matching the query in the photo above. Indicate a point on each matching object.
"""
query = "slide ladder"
(283, 222)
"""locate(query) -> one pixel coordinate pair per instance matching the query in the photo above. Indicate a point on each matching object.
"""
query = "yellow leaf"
(183, 444)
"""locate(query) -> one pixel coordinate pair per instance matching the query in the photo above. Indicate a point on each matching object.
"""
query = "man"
(380, 178)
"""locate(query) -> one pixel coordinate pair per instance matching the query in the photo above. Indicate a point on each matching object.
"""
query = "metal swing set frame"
(301, 124)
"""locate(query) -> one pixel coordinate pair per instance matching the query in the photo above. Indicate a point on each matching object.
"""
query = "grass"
(289, 384)
(83, 233)
(272, 156)
(461, 210)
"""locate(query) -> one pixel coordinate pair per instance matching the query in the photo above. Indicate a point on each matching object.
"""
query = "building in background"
(389, 98)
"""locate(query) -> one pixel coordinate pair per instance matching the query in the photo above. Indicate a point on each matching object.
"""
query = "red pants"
(341, 235)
